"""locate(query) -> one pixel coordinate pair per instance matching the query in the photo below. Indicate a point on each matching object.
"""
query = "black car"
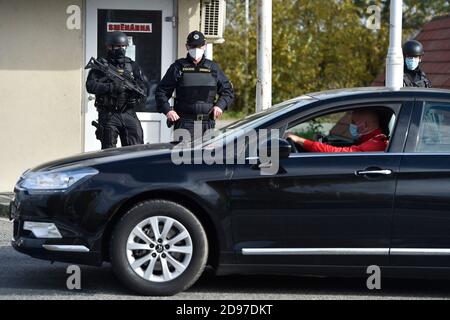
(160, 223)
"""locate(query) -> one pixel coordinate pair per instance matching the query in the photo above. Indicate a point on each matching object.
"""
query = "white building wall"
(188, 20)
(41, 79)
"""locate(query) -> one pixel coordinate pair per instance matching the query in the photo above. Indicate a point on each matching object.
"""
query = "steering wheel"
(295, 147)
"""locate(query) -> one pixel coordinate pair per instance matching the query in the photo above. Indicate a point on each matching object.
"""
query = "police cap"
(196, 39)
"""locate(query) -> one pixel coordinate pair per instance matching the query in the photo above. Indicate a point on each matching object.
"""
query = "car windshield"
(256, 119)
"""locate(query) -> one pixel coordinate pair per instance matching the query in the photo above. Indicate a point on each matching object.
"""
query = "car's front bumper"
(63, 250)
(71, 247)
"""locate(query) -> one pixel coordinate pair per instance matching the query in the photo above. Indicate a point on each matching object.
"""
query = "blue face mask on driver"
(353, 128)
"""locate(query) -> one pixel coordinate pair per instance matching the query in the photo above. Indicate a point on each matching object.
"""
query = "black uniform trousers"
(125, 124)
(189, 125)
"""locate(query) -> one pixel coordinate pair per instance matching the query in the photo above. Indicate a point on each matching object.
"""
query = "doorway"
(152, 46)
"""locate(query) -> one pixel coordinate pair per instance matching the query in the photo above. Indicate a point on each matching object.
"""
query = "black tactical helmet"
(413, 48)
(116, 38)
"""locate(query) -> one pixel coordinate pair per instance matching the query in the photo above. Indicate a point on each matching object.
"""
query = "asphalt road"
(22, 277)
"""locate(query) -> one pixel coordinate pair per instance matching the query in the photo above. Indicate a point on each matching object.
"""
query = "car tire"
(162, 274)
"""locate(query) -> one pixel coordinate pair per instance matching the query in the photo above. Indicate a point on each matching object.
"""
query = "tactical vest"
(423, 82)
(196, 89)
(112, 102)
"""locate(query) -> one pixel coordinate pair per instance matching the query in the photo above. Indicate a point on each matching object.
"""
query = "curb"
(4, 211)
(5, 198)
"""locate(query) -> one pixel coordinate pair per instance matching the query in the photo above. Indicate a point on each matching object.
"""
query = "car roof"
(376, 91)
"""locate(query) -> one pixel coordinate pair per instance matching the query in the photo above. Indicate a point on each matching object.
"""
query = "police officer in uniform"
(115, 103)
(203, 91)
(413, 75)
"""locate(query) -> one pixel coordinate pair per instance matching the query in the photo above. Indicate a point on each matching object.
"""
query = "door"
(421, 229)
(321, 208)
(151, 46)
(316, 202)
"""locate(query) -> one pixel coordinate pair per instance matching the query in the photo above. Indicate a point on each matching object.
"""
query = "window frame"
(401, 109)
(414, 127)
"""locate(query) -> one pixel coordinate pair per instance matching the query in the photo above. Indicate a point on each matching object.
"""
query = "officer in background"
(203, 91)
(115, 103)
(413, 75)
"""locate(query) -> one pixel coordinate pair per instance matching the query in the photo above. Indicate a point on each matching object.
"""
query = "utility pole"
(394, 60)
(264, 56)
(246, 55)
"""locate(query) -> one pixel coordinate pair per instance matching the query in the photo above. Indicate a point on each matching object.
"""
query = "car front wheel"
(158, 248)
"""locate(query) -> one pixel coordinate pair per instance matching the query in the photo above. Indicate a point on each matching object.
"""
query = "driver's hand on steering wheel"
(289, 135)
(295, 138)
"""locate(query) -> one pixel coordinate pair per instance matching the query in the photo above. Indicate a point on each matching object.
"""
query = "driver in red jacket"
(365, 129)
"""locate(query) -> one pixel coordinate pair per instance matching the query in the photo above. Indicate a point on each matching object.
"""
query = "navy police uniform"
(198, 89)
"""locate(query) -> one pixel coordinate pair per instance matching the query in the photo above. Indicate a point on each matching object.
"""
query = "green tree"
(317, 45)
(416, 13)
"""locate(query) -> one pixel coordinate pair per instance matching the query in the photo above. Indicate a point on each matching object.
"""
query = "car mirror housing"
(282, 146)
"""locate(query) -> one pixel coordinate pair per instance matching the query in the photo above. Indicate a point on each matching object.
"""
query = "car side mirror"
(284, 148)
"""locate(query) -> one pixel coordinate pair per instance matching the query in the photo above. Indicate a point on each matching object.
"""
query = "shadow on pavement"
(22, 276)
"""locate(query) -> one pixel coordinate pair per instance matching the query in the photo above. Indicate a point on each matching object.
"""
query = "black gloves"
(118, 87)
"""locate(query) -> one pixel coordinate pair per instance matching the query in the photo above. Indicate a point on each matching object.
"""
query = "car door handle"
(259, 165)
(377, 172)
(265, 165)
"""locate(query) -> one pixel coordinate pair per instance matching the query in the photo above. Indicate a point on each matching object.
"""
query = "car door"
(421, 226)
(320, 209)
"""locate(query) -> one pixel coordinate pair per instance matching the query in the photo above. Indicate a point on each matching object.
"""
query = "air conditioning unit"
(213, 20)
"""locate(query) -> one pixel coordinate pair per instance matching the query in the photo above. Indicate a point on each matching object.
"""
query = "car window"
(331, 127)
(230, 132)
(434, 130)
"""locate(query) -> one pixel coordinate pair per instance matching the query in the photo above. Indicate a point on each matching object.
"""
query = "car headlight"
(54, 181)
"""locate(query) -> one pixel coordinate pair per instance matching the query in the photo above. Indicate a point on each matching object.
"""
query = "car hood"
(97, 157)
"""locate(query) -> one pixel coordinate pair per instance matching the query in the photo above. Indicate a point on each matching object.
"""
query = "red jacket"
(372, 142)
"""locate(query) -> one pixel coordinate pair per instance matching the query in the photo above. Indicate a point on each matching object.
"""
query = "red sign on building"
(129, 27)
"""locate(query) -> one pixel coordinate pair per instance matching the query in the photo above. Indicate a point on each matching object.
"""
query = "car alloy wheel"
(159, 249)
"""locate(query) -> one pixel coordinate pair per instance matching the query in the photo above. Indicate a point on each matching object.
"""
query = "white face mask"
(196, 53)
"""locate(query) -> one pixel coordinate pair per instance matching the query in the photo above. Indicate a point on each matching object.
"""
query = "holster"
(100, 130)
(170, 124)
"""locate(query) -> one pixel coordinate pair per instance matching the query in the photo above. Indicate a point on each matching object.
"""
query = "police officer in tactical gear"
(203, 91)
(413, 75)
(115, 103)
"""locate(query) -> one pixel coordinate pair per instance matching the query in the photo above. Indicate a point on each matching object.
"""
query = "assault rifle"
(114, 74)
